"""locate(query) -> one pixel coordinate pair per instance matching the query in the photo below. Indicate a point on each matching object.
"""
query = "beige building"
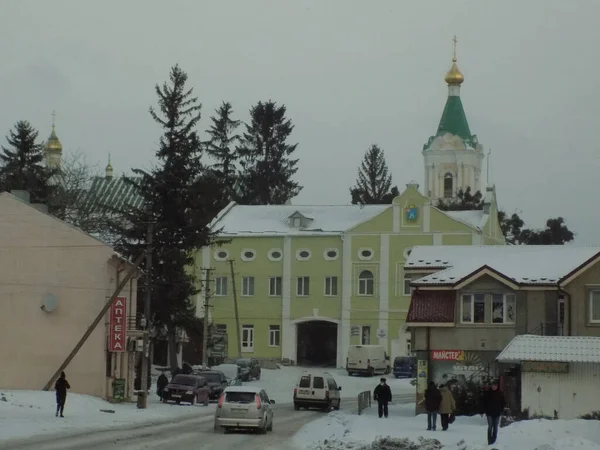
(54, 280)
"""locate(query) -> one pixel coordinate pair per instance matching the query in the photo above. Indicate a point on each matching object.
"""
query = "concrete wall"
(579, 294)
(41, 255)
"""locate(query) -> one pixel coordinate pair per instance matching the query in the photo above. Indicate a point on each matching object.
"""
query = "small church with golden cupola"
(453, 157)
(53, 148)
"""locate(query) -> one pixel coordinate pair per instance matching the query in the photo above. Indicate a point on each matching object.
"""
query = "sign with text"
(446, 355)
(117, 325)
(545, 366)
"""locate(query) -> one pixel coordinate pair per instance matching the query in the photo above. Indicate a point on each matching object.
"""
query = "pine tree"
(22, 165)
(265, 157)
(465, 201)
(374, 183)
(221, 147)
(180, 200)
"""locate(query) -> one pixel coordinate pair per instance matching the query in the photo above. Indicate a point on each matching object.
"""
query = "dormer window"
(299, 220)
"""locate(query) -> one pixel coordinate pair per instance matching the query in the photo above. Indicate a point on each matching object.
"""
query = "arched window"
(366, 283)
(448, 186)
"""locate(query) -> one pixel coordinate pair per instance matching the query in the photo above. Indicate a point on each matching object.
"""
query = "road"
(192, 433)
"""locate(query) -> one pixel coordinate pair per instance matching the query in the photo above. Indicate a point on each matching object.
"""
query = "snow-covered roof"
(274, 219)
(475, 218)
(575, 349)
(523, 264)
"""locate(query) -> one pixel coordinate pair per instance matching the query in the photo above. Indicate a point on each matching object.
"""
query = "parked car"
(368, 360)
(232, 372)
(184, 388)
(317, 390)
(250, 368)
(405, 367)
(217, 381)
(245, 406)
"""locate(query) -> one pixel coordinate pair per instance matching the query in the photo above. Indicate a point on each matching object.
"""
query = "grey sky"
(350, 72)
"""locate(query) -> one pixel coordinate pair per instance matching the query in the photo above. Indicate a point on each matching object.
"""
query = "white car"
(317, 390)
(244, 407)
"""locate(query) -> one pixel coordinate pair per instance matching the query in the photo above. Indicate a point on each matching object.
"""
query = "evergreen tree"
(179, 199)
(374, 183)
(221, 147)
(465, 201)
(265, 157)
(22, 165)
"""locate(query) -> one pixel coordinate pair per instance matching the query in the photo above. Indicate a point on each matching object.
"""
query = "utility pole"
(238, 330)
(143, 400)
(207, 296)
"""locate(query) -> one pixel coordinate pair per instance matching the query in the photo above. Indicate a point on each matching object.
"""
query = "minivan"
(405, 367)
(317, 390)
(368, 360)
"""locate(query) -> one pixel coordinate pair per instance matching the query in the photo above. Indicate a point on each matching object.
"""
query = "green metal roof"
(454, 119)
(112, 193)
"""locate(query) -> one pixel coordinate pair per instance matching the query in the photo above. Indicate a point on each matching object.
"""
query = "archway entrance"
(316, 343)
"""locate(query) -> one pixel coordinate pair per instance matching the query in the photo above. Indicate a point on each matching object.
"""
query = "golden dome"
(454, 75)
(53, 144)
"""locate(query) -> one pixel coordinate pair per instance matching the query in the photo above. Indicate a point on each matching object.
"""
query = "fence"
(364, 401)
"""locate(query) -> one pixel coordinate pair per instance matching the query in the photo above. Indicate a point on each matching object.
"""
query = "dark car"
(405, 367)
(217, 382)
(250, 368)
(183, 388)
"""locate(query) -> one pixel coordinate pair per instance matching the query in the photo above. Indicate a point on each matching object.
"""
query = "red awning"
(432, 307)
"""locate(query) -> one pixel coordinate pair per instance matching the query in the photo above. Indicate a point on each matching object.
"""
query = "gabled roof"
(575, 349)
(475, 218)
(432, 308)
(114, 193)
(268, 220)
(523, 264)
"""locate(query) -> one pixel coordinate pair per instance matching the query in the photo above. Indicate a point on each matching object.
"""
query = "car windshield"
(211, 377)
(185, 380)
(240, 397)
(243, 362)
(401, 361)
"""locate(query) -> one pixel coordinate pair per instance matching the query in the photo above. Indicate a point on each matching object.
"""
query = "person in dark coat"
(161, 384)
(493, 406)
(61, 387)
(382, 395)
(433, 398)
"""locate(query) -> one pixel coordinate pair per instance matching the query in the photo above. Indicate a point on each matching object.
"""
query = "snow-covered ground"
(339, 430)
(280, 383)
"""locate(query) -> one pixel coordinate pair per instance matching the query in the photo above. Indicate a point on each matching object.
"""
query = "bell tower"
(453, 157)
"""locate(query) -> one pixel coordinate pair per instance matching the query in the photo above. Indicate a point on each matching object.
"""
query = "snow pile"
(29, 413)
(402, 431)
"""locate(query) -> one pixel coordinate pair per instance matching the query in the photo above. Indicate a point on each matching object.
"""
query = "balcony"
(548, 329)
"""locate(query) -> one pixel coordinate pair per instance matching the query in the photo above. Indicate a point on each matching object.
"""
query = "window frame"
(278, 292)
(504, 308)
(305, 282)
(274, 331)
(250, 338)
(362, 334)
(364, 282)
(446, 191)
(246, 291)
(221, 286)
(472, 308)
(406, 278)
(591, 306)
(331, 284)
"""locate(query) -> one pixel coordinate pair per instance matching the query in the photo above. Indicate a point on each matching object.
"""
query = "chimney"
(24, 196)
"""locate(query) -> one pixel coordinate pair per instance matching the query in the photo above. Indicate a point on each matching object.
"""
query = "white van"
(317, 390)
(367, 359)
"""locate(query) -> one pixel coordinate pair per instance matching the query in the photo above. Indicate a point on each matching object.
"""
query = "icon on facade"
(411, 213)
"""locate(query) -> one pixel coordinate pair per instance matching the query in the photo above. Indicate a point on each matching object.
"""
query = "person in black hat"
(382, 395)
(493, 405)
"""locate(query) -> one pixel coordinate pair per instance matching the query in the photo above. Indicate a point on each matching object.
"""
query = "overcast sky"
(351, 73)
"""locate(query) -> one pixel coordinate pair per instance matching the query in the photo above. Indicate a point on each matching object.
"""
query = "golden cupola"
(53, 144)
(454, 77)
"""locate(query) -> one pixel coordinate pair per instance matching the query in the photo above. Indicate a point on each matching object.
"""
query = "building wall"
(578, 304)
(570, 395)
(41, 255)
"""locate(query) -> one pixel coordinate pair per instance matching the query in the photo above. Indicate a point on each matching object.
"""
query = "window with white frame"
(366, 283)
(303, 286)
(247, 286)
(595, 306)
(221, 286)
(331, 286)
(472, 308)
(247, 338)
(274, 335)
(503, 308)
(274, 286)
(406, 289)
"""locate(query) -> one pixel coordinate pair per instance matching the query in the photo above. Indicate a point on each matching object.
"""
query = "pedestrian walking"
(161, 384)
(447, 406)
(61, 387)
(433, 398)
(382, 395)
(493, 405)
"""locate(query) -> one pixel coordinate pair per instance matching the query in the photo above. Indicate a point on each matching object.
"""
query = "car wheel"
(337, 406)
(218, 429)
(270, 427)
(193, 401)
(327, 407)
(178, 402)
(263, 429)
(371, 372)
(296, 407)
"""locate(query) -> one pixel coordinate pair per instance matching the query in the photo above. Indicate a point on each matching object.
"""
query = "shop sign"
(545, 366)
(446, 355)
(117, 326)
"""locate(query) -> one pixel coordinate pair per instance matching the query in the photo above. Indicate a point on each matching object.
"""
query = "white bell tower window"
(448, 186)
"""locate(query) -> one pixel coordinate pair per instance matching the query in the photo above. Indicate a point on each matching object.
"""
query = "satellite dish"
(49, 303)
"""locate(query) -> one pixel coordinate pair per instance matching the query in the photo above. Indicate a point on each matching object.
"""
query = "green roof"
(454, 119)
(111, 193)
